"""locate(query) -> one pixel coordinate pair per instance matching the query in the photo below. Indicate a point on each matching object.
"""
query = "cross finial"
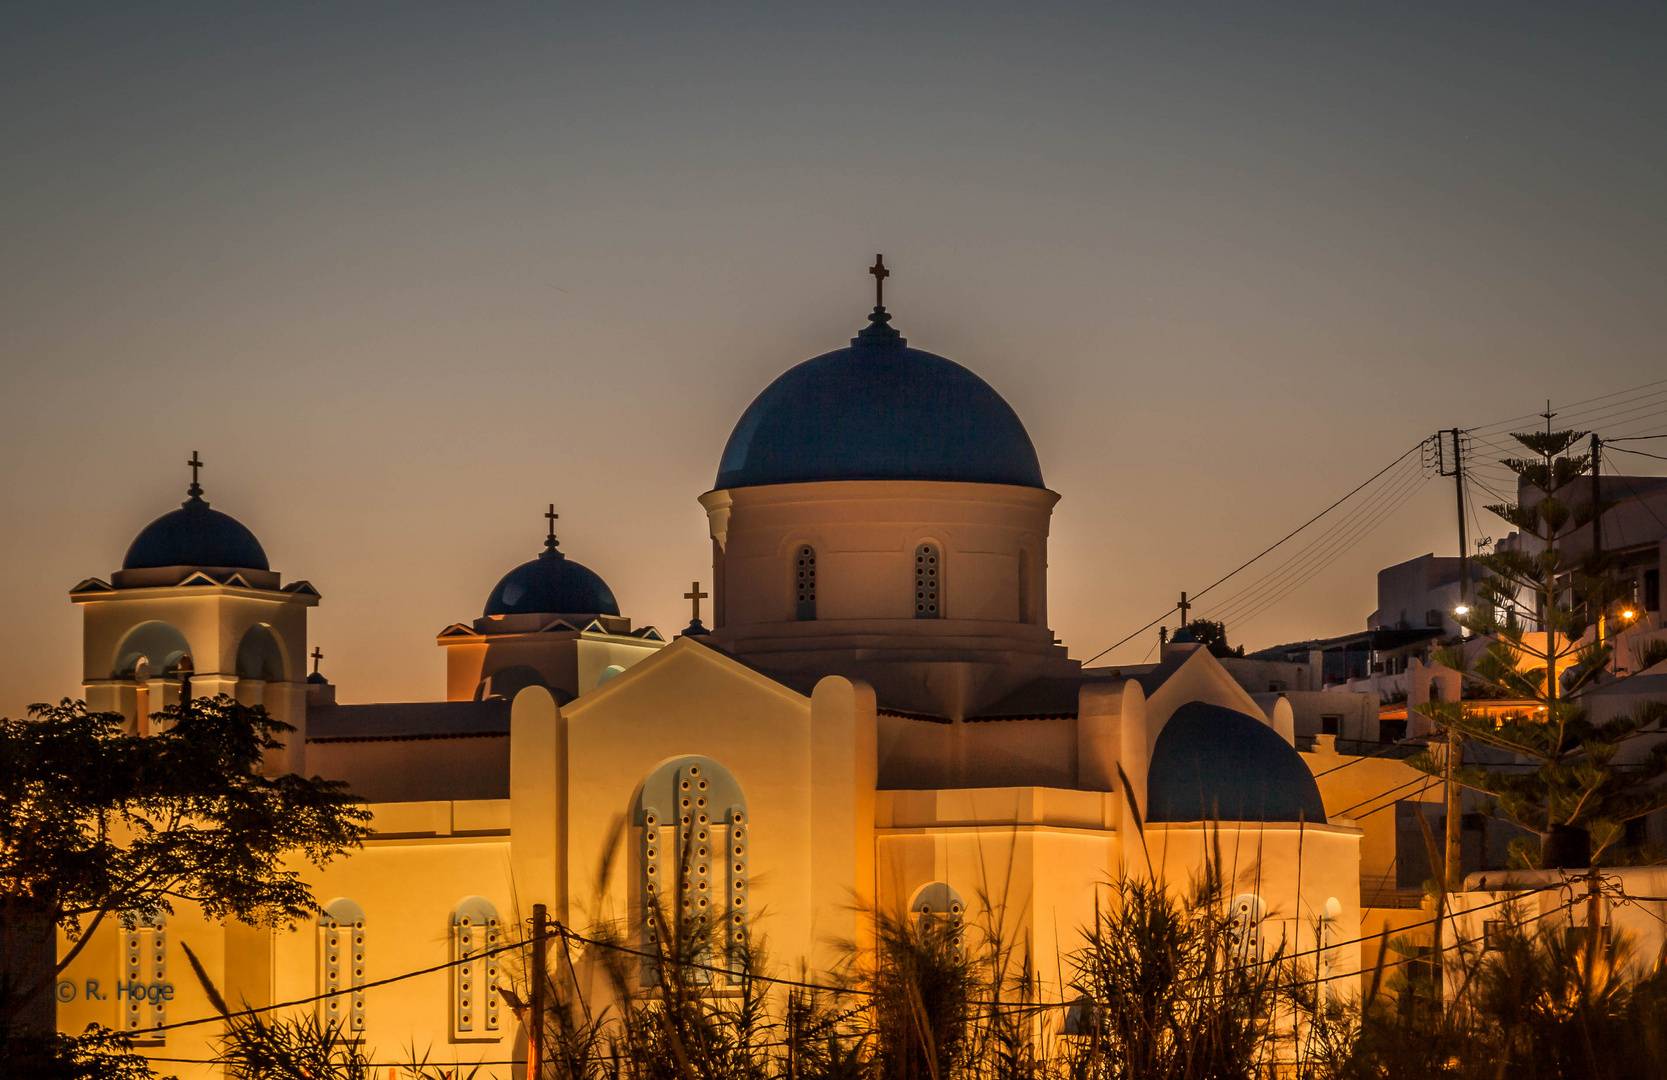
(880, 274)
(1184, 608)
(196, 463)
(697, 596)
(551, 516)
(318, 654)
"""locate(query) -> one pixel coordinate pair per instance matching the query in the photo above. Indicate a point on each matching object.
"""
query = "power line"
(1503, 424)
(1391, 487)
(471, 958)
(1640, 453)
(1263, 552)
(1419, 779)
(1341, 549)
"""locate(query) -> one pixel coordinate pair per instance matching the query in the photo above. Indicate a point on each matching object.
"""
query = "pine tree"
(1574, 780)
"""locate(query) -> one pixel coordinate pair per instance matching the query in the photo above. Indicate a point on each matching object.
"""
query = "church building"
(878, 716)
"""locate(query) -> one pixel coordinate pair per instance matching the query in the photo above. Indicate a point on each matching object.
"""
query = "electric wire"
(1418, 446)
(1640, 453)
(1419, 779)
(1404, 479)
(1342, 548)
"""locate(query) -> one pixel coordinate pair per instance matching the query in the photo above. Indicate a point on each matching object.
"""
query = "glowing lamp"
(1462, 610)
(1629, 614)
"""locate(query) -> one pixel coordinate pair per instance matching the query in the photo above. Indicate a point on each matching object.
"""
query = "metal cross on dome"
(551, 516)
(1185, 607)
(195, 463)
(880, 274)
(318, 654)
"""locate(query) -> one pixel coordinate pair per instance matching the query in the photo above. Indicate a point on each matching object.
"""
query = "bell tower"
(196, 609)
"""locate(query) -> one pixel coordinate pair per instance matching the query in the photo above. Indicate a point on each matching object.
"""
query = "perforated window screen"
(804, 582)
(475, 933)
(694, 862)
(928, 582)
(144, 965)
(341, 934)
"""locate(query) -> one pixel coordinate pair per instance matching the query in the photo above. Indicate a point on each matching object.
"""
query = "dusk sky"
(403, 274)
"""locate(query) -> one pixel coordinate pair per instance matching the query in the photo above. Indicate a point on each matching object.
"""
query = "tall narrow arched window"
(475, 933)
(259, 656)
(1326, 930)
(937, 910)
(692, 885)
(144, 965)
(1244, 920)
(804, 583)
(928, 582)
(341, 944)
(1027, 587)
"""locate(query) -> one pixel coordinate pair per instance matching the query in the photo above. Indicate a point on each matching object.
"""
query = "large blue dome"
(879, 411)
(1212, 763)
(195, 535)
(551, 584)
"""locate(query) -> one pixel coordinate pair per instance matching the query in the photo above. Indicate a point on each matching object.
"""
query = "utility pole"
(1454, 863)
(535, 1029)
(1597, 531)
(1594, 914)
(1464, 538)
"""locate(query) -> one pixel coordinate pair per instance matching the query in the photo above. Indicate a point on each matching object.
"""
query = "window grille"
(804, 582)
(693, 879)
(937, 910)
(475, 932)
(144, 965)
(928, 582)
(1244, 919)
(341, 931)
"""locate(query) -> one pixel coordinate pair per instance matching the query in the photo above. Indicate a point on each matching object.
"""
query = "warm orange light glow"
(1629, 614)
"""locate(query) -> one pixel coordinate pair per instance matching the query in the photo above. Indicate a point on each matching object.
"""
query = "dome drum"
(866, 536)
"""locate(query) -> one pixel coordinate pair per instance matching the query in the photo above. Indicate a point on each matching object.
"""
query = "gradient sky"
(403, 274)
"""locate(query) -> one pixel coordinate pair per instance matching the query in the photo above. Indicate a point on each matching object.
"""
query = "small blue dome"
(194, 535)
(551, 584)
(1212, 763)
(879, 411)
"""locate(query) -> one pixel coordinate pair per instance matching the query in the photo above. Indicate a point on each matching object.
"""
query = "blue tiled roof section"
(195, 535)
(1213, 763)
(879, 411)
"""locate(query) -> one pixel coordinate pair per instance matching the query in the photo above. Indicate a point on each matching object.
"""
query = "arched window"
(804, 583)
(341, 939)
(1244, 921)
(144, 965)
(1027, 587)
(937, 910)
(506, 682)
(1331, 916)
(693, 880)
(928, 582)
(159, 643)
(258, 655)
(475, 933)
